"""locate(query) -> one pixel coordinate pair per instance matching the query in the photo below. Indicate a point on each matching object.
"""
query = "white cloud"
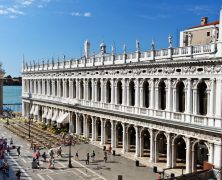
(85, 14)
(75, 14)
(17, 7)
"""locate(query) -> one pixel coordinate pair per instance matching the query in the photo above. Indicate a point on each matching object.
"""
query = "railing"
(174, 53)
(160, 114)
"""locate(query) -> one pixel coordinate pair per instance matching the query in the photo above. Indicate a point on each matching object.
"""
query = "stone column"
(86, 90)
(212, 98)
(93, 89)
(195, 102)
(142, 98)
(102, 131)
(64, 88)
(112, 81)
(169, 152)
(102, 90)
(124, 94)
(152, 95)
(96, 90)
(53, 87)
(211, 154)
(137, 93)
(169, 98)
(156, 156)
(188, 155)
(189, 98)
(77, 124)
(152, 148)
(93, 127)
(137, 141)
(128, 97)
(217, 155)
(218, 110)
(43, 87)
(157, 95)
(115, 92)
(71, 88)
(113, 134)
(175, 102)
(77, 89)
(124, 138)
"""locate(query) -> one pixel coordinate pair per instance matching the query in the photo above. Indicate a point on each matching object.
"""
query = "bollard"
(114, 152)
(137, 163)
(120, 177)
(104, 148)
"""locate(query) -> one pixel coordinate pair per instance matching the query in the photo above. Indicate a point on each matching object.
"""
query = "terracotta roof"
(208, 24)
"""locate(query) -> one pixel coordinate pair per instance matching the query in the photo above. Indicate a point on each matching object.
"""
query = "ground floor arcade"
(163, 143)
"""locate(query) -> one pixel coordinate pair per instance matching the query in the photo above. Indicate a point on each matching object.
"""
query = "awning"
(64, 118)
(49, 115)
(32, 109)
(55, 115)
(36, 112)
(45, 113)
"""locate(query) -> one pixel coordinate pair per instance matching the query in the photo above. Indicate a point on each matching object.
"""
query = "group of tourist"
(5, 151)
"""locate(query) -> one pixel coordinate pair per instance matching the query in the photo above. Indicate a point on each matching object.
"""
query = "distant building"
(204, 33)
(2, 73)
(161, 104)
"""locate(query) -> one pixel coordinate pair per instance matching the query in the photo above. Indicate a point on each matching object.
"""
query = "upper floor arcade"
(188, 100)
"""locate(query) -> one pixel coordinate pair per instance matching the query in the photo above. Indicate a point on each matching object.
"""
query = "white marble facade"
(166, 101)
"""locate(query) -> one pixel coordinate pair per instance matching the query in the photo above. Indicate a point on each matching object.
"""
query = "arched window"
(90, 91)
(202, 98)
(45, 87)
(131, 93)
(67, 88)
(61, 88)
(50, 87)
(119, 92)
(55, 87)
(37, 87)
(162, 95)
(180, 93)
(98, 91)
(74, 89)
(146, 94)
(108, 92)
(81, 90)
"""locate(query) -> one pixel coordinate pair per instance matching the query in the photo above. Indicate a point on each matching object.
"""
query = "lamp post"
(70, 155)
(30, 106)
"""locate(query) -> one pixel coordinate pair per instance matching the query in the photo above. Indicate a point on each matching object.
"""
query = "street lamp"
(70, 155)
(30, 105)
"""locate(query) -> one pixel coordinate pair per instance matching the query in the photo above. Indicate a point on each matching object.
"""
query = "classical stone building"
(156, 103)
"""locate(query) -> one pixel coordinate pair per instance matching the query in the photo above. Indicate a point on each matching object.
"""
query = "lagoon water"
(12, 95)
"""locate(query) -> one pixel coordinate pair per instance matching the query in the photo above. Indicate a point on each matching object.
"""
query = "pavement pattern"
(96, 170)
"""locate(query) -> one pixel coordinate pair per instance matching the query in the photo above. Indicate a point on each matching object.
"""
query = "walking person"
(87, 158)
(50, 163)
(110, 149)
(59, 151)
(18, 174)
(11, 141)
(93, 156)
(18, 150)
(77, 156)
(8, 150)
(44, 156)
(105, 156)
(53, 162)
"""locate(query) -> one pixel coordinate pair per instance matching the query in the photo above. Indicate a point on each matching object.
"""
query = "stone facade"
(155, 103)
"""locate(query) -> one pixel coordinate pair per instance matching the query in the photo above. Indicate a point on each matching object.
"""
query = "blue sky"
(54, 28)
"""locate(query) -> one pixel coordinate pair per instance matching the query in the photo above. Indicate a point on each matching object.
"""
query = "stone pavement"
(144, 160)
(97, 170)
